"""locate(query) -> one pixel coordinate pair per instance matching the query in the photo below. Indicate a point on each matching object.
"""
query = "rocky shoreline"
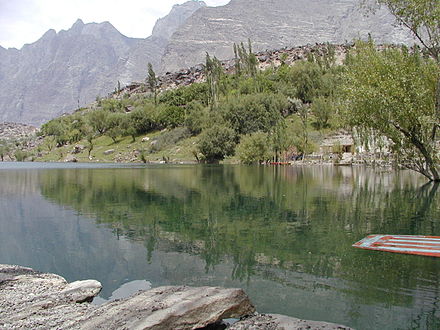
(33, 300)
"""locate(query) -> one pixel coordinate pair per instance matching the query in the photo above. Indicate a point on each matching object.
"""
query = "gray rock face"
(152, 48)
(171, 308)
(274, 24)
(61, 70)
(166, 26)
(282, 322)
(50, 76)
(31, 300)
(11, 131)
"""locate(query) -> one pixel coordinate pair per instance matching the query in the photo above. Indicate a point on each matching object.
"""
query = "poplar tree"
(213, 72)
(152, 81)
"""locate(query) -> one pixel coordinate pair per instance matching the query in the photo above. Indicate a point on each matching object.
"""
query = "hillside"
(129, 127)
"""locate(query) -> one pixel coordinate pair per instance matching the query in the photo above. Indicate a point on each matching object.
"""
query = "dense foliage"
(392, 94)
(236, 105)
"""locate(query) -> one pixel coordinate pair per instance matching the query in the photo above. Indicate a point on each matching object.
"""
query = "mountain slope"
(273, 24)
(52, 75)
(63, 70)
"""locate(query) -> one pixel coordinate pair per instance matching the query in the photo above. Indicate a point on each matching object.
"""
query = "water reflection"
(282, 233)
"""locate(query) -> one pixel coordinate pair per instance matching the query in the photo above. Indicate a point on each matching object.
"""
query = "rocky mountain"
(14, 131)
(64, 70)
(274, 24)
(152, 48)
(60, 70)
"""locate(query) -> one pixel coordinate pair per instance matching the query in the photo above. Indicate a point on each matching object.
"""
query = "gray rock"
(282, 322)
(171, 308)
(109, 151)
(81, 291)
(166, 26)
(273, 25)
(78, 148)
(70, 159)
(32, 300)
(62, 70)
(12, 131)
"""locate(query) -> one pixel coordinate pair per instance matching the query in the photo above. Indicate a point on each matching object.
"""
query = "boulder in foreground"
(33, 300)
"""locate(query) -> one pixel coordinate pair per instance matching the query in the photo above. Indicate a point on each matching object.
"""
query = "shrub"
(184, 95)
(170, 116)
(142, 119)
(195, 117)
(251, 113)
(216, 143)
(20, 155)
(170, 138)
(254, 148)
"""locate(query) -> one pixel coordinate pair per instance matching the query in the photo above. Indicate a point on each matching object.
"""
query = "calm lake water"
(283, 234)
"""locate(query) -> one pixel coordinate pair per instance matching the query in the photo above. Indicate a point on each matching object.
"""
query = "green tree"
(152, 81)
(279, 139)
(422, 18)
(323, 109)
(254, 148)
(213, 72)
(216, 143)
(98, 120)
(195, 117)
(255, 112)
(307, 78)
(90, 144)
(4, 150)
(112, 105)
(183, 95)
(114, 123)
(170, 116)
(58, 128)
(393, 93)
(141, 120)
(50, 142)
(20, 155)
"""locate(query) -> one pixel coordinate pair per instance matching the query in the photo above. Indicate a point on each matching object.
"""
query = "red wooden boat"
(408, 244)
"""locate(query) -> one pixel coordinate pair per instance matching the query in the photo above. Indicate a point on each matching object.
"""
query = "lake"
(283, 234)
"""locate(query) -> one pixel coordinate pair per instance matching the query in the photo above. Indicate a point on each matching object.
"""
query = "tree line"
(259, 114)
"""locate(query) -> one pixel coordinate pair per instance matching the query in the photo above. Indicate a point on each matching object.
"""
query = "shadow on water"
(282, 233)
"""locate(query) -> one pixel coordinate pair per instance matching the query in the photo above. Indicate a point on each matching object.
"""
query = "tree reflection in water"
(272, 220)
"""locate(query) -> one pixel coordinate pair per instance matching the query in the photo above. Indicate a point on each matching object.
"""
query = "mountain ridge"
(274, 24)
(63, 71)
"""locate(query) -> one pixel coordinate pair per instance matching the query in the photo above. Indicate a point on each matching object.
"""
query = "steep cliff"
(273, 24)
(63, 70)
(52, 75)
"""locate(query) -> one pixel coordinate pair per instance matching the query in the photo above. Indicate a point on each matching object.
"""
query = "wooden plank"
(407, 244)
